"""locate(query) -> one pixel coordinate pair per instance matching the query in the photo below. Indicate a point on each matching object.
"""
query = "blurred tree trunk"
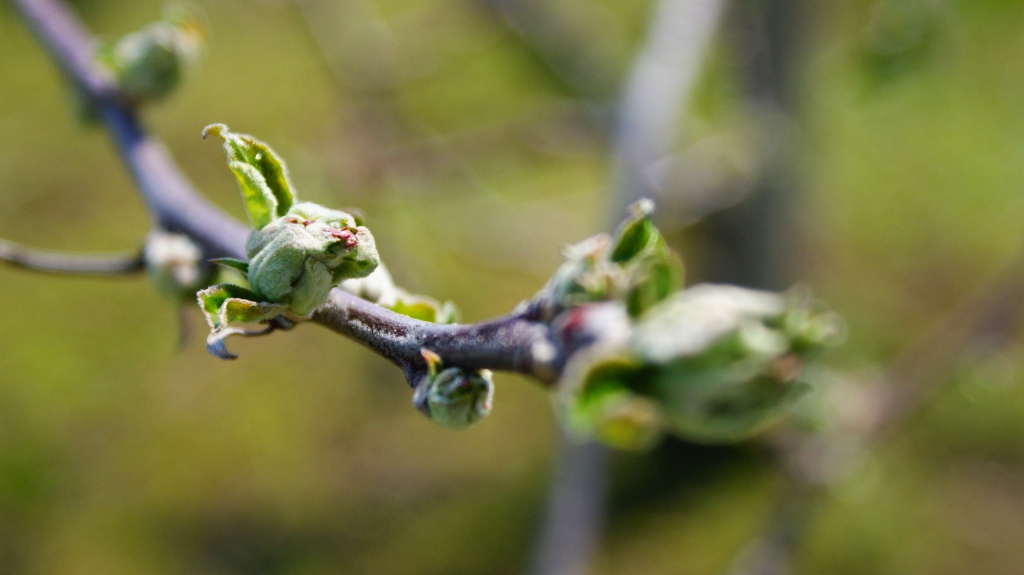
(752, 243)
(655, 94)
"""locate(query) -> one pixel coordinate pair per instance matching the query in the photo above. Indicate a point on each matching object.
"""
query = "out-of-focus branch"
(987, 319)
(171, 200)
(657, 91)
(751, 243)
(72, 264)
(577, 504)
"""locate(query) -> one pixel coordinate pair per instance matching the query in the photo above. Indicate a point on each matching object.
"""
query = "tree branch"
(511, 343)
(74, 264)
(508, 343)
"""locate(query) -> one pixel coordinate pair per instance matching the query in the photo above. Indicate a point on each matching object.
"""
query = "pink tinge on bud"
(605, 322)
(297, 220)
(344, 234)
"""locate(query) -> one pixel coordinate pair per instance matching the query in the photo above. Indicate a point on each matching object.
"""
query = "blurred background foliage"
(475, 155)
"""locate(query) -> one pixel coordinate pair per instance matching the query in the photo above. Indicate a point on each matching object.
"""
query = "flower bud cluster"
(296, 259)
(297, 251)
(711, 363)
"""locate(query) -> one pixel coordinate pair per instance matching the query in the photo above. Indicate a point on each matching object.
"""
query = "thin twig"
(71, 264)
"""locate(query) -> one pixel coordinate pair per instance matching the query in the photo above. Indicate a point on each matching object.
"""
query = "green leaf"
(223, 304)
(212, 298)
(416, 308)
(652, 281)
(236, 310)
(606, 404)
(262, 175)
(426, 309)
(232, 263)
(636, 234)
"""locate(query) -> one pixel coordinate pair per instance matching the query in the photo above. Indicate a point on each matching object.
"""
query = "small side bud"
(175, 265)
(453, 398)
(149, 64)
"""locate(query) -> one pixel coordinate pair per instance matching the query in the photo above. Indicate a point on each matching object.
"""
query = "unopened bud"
(298, 258)
(175, 265)
(453, 397)
(149, 64)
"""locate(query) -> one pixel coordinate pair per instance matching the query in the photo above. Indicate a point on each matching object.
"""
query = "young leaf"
(635, 234)
(262, 175)
(425, 308)
(232, 263)
(226, 303)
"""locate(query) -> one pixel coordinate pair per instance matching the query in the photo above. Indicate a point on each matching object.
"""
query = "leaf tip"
(642, 208)
(215, 345)
(215, 129)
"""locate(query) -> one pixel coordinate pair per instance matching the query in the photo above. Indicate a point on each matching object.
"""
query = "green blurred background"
(474, 162)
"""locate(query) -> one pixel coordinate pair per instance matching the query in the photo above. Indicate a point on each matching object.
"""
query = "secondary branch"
(65, 263)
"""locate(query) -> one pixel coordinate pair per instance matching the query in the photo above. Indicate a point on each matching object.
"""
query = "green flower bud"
(298, 258)
(603, 407)
(717, 362)
(175, 265)
(453, 397)
(721, 361)
(149, 64)
(297, 251)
